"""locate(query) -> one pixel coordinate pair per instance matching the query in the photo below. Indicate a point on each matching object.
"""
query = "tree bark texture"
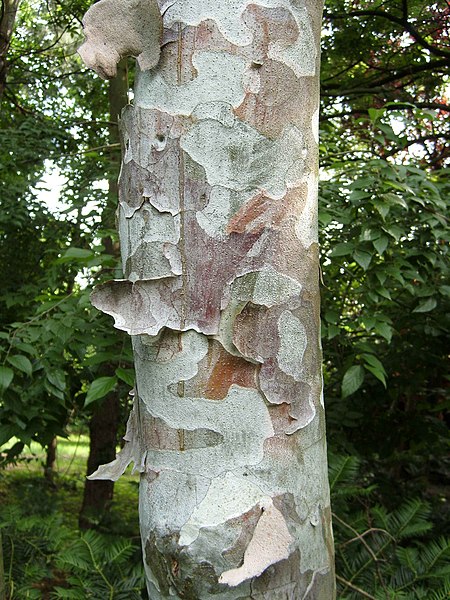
(218, 225)
(8, 14)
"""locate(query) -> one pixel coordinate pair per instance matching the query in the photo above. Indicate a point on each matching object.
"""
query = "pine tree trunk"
(218, 225)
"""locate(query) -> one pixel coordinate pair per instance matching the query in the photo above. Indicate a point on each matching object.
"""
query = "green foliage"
(53, 361)
(386, 320)
(43, 558)
(53, 344)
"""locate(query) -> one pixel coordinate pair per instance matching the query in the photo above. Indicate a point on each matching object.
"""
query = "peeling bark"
(218, 223)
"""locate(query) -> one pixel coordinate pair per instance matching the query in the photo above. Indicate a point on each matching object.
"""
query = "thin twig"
(360, 537)
(354, 587)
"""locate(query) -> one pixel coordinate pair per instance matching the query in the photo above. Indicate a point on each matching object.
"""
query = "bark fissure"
(218, 222)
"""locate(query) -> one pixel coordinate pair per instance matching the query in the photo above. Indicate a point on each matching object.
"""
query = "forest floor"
(24, 485)
(44, 555)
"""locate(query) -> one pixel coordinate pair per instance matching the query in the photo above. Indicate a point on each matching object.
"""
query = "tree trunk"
(104, 423)
(50, 460)
(7, 19)
(218, 225)
(98, 495)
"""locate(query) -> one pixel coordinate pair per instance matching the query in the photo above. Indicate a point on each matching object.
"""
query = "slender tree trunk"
(98, 495)
(218, 226)
(103, 426)
(7, 19)
(50, 460)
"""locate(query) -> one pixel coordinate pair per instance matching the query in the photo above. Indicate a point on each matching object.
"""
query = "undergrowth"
(381, 554)
(44, 559)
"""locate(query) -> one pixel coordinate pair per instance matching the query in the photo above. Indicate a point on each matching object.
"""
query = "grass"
(24, 485)
(43, 549)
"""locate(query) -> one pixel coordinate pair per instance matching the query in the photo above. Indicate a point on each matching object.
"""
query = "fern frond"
(342, 470)
(118, 550)
(434, 553)
(410, 519)
(443, 593)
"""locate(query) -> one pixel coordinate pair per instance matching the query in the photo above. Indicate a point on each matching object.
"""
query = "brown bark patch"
(257, 214)
(229, 370)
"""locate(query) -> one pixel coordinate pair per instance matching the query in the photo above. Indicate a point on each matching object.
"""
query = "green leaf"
(375, 366)
(333, 331)
(426, 306)
(381, 244)
(77, 254)
(395, 231)
(352, 380)
(342, 249)
(54, 391)
(375, 113)
(99, 388)
(381, 276)
(126, 375)
(374, 361)
(384, 330)
(6, 376)
(362, 258)
(358, 195)
(384, 293)
(21, 362)
(332, 316)
(57, 378)
(394, 199)
(378, 374)
(383, 209)
(28, 348)
(369, 322)
(6, 433)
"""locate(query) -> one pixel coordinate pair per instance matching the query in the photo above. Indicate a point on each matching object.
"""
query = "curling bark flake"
(218, 226)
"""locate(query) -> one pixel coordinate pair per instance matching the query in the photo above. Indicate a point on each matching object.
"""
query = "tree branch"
(402, 21)
(390, 107)
(377, 86)
(352, 586)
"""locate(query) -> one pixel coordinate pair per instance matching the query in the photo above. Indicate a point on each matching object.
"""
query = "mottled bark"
(7, 19)
(218, 224)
